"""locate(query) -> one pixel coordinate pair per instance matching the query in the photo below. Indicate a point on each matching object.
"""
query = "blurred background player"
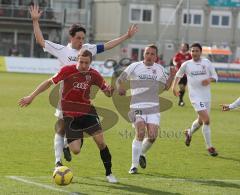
(146, 79)
(79, 115)
(180, 57)
(200, 73)
(227, 107)
(67, 55)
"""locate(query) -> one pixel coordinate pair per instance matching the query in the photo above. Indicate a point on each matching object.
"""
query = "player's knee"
(76, 151)
(60, 131)
(101, 145)
(140, 135)
(207, 122)
(152, 140)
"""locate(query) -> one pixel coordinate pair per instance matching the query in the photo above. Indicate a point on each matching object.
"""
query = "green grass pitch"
(27, 158)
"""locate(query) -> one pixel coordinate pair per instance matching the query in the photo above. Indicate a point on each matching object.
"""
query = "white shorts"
(198, 106)
(149, 118)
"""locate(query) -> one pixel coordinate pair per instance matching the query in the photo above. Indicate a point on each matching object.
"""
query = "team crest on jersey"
(154, 71)
(88, 77)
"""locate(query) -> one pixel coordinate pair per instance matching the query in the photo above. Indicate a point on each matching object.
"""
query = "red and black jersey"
(180, 57)
(75, 94)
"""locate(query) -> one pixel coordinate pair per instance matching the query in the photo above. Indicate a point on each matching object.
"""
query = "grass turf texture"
(172, 168)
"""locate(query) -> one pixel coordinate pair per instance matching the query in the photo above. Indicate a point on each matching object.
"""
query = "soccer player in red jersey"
(79, 115)
(180, 57)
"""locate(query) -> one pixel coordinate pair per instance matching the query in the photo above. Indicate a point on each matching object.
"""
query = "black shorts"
(78, 127)
(183, 81)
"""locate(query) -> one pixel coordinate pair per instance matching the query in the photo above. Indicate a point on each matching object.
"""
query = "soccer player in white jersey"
(228, 107)
(67, 55)
(146, 79)
(200, 73)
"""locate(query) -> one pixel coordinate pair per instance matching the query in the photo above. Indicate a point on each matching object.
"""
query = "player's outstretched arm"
(113, 43)
(25, 101)
(36, 14)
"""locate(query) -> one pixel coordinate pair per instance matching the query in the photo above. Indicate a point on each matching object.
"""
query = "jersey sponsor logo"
(82, 85)
(88, 77)
(72, 58)
(199, 72)
(147, 77)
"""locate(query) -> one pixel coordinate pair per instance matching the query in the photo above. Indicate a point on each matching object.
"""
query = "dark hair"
(76, 28)
(153, 47)
(85, 53)
(187, 45)
(197, 45)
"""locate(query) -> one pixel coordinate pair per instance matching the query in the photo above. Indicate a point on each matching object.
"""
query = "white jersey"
(66, 54)
(197, 72)
(235, 104)
(145, 83)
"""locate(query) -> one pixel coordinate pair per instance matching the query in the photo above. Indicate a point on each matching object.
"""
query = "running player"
(147, 78)
(200, 73)
(78, 114)
(182, 56)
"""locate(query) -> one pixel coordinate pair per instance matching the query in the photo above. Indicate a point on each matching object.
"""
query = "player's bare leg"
(75, 146)
(189, 132)
(204, 117)
(181, 94)
(152, 133)
(105, 155)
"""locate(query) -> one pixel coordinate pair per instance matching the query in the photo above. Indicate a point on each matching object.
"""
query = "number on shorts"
(138, 112)
(202, 104)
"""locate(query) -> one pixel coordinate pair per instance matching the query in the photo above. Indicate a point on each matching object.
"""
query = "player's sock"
(58, 147)
(181, 94)
(146, 145)
(107, 160)
(207, 135)
(65, 142)
(195, 126)
(136, 152)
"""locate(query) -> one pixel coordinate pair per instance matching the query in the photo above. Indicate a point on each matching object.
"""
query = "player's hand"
(225, 107)
(25, 101)
(121, 91)
(206, 82)
(35, 12)
(173, 71)
(109, 91)
(175, 92)
(132, 30)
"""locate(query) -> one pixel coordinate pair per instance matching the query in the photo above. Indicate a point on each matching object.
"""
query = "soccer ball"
(62, 175)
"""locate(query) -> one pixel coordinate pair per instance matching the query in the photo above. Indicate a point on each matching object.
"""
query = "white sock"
(65, 142)
(58, 147)
(136, 152)
(206, 131)
(195, 127)
(146, 145)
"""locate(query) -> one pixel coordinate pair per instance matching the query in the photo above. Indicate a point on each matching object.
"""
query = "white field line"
(154, 178)
(28, 181)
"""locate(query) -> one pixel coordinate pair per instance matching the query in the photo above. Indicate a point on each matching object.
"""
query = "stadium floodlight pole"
(170, 18)
(88, 18)
(188, 22)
